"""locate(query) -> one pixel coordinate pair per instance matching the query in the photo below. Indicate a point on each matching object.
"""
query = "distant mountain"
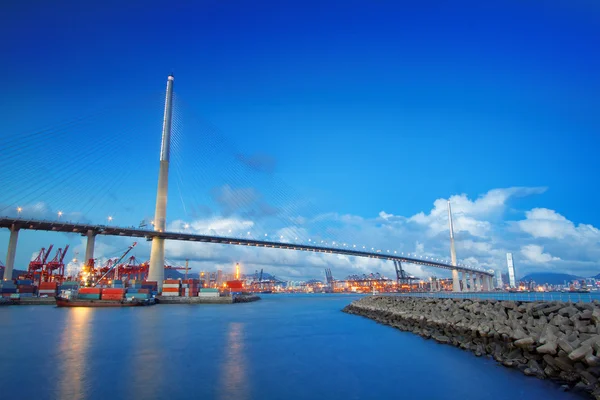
(596, 276)
(16, 272)
(552, 278)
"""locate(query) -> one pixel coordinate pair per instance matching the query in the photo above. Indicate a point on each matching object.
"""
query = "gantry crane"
(56, 267)
(115, 263)
(38, 263)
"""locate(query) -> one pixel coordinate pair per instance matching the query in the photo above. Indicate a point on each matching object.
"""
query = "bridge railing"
(525, 296)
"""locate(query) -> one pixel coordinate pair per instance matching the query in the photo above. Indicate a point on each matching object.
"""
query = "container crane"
(330, 280)
(38, 263)
(402, 278)
(57, 264)
(116, 263)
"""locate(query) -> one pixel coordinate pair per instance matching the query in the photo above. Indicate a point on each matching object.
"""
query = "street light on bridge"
(60, 213)
(19, 209)
(110, 218)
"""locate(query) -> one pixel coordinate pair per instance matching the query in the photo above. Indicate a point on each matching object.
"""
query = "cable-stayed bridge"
(96, 168)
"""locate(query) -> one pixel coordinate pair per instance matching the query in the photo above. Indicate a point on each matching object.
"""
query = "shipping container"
(139, 296)
(90, 291)
(89, 296)
(209, 294)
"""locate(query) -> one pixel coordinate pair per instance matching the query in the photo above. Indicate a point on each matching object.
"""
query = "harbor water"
(283, 347)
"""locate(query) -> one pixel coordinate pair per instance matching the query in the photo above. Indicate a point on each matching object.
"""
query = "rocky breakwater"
(549, 340)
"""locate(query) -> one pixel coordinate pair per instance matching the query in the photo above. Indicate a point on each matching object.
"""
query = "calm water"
(283, 347)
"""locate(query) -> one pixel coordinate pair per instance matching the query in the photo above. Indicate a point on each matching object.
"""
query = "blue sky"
(364, 106)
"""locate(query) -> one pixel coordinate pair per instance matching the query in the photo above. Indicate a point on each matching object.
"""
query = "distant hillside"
(16, 272)
(551, 278)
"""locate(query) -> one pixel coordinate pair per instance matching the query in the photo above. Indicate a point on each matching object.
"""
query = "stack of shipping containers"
(25, 288)
(47, 289)
(8, 288)
(171, 287)
(136, 291)
(189, 287)
(113, 294)
(68, 285)
(89, 293)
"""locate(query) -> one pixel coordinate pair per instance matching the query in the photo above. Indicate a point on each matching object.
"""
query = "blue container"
(68, 287)
(139, 296)
(89, 296)
(26, 295)
(130, 290)
(24, 282)
(8, 290)
(70, 283)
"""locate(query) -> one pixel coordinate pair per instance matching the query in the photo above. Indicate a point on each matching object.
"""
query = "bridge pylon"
(156, 270)
(455, 279)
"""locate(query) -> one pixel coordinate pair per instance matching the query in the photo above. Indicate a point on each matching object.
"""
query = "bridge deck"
(69, 227)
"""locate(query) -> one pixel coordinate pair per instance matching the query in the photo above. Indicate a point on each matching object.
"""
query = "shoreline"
(558, 341)
(166, 300)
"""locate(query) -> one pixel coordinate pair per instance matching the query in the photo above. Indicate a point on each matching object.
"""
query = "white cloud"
(535, 253)
(469, 216)
(545, 223)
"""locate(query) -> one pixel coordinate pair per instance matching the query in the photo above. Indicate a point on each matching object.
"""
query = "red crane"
(57, 264)
(38, 263)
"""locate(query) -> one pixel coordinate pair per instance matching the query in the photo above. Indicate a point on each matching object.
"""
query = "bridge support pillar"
(156, 270)
(491, 282)
(475, 283)
(465, 288)
(455, 281)
(11, 253)
(89, 247)
(470, 281)
(485, 283)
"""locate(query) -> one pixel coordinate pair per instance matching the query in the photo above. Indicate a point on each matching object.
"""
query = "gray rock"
(592, 360)
(548, 348)
(525, 342)
(588, 378)
(580, 352)
(565, 346)
(568, 311)
(564, 364)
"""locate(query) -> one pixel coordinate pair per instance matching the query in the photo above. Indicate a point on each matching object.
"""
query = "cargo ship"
(86, 298)
(74, 302)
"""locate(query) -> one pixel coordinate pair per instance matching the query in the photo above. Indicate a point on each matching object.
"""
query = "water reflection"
(148, 356)
(234, 380)
(73, 356)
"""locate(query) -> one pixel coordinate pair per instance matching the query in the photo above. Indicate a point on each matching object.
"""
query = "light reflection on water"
(74, 346)
(234, 378)
(148, 361)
